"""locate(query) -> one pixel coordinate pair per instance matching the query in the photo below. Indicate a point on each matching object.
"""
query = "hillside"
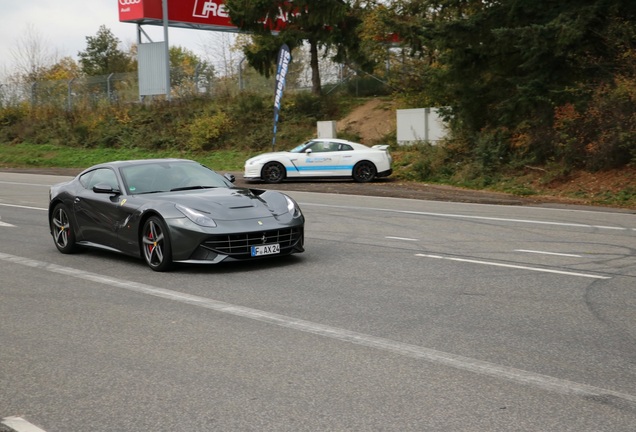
(371, 121)
(377, 118)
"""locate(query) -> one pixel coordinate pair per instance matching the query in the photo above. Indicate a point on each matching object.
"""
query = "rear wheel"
(155, 244)
(273, 172)
(364, 171)
(61, 229)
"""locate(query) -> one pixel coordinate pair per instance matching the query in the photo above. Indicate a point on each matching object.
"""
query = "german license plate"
(270, 249)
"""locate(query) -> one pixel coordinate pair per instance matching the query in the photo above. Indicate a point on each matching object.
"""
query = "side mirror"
(105, 188)
(230, 177)
(308, 151)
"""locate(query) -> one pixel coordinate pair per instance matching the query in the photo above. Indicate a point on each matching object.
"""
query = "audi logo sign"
(129, 2)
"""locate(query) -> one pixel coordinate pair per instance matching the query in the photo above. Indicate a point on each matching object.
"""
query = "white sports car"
(321, 157)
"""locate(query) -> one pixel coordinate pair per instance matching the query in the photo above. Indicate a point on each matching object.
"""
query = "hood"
(268, 156)
(229, 203)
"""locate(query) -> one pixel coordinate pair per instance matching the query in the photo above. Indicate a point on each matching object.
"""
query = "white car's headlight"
(196, 216)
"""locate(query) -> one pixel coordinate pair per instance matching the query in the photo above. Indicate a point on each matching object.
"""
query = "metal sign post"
(167, 46)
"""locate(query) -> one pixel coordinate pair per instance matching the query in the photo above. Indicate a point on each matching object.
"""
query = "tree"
(103, 56)
(31, 55)
(506, 65)
(65, 69)
(185, 65)
(220, 49)
(323, 25)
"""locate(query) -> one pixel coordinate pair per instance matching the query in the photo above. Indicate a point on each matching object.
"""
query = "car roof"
(338, 140)
(124, 163)
(359, 146)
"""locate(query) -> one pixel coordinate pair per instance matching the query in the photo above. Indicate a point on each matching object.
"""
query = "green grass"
(50, 156)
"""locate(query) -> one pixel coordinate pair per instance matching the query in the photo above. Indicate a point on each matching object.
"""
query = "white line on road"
(519, 376)
(400, 238)
(4, 224)
(547, 253)
(23, 207)
(459, 216)
(25, 184)
(490, 263)
(19, 424)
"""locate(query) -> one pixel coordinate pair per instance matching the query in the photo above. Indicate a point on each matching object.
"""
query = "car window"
(166, 176)
(301, 148)
(323, 146)
(320, 147)
(100, 175)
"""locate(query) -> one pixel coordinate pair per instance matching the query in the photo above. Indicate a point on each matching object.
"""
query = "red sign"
(202, 12)
(210, 14)
(136, 10)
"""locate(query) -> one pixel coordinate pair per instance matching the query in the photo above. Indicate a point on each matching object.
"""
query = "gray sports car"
(172, 210)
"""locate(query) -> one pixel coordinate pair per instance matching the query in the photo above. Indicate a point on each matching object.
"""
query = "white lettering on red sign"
(205, 8)
(282, 17)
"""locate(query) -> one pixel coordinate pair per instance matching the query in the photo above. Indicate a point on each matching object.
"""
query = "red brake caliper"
(150, 246)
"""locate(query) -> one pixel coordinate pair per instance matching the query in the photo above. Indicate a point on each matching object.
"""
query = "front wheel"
(63, 235)
(155, 244)
(364, 171)
(273, 172)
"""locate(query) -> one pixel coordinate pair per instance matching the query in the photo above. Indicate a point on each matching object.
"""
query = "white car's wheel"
(273, 172)
(364, 171)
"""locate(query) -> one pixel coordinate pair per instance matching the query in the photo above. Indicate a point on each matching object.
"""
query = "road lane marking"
(459, 216)
(400, 238)
(20, 425)
(4, 224)
(548, 253)
(519, 376)
(23, 207)
(25, 184)
(496, 264)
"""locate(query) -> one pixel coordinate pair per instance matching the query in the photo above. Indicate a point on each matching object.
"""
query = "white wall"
(327, 129)
(420, 124)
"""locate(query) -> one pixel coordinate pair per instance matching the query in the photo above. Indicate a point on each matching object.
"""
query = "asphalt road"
(402, 315)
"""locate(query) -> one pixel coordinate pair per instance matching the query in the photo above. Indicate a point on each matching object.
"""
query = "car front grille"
(239, 245)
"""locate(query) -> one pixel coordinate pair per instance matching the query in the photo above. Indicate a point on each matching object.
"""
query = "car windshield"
(301, 148)
(166, 176)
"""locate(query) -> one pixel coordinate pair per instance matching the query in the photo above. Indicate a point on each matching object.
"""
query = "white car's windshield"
(301, 148)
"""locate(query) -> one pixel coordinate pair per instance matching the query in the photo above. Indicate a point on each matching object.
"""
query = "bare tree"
(31, 55)
(219, 49)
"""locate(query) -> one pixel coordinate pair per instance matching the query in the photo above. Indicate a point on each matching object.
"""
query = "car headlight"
(292, 207)
(196, 216)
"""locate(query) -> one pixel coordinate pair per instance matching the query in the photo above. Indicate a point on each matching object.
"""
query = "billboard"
(206, 13)
(198, 14)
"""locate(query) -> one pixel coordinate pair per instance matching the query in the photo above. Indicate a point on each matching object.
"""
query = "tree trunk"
(316, 88)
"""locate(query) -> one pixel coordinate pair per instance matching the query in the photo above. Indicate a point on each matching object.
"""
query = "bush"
(205, 131)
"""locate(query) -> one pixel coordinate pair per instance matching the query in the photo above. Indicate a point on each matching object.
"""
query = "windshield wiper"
(191, 188)
(149, 192)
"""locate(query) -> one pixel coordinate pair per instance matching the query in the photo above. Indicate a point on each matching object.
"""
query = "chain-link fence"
(93, 90)
(124, 87)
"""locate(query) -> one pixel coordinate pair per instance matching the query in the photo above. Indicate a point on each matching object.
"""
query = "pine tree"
(322, 24)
